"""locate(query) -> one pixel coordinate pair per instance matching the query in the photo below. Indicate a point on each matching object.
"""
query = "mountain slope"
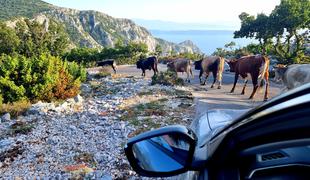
(88, 28)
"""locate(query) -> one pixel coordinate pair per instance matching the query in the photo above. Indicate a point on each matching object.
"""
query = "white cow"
(293, 76)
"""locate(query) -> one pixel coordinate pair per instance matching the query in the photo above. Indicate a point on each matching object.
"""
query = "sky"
(215, 12)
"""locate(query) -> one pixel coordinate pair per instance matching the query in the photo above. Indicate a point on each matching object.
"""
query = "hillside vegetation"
(22, 8)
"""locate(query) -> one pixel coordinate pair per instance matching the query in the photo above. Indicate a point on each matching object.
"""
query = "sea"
(206, 40)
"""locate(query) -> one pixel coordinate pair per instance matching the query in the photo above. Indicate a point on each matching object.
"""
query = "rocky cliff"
(90, 28)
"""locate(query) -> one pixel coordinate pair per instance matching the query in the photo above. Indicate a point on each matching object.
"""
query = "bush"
(76, 71)
(38, 78)
(1, 99)
(168, 78)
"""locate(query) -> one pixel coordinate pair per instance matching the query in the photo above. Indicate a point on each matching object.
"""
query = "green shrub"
(38, 78)
(77, 71)
(168, 78)
(1, 99)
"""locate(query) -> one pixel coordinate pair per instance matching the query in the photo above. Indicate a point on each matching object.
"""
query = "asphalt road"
(207, 98)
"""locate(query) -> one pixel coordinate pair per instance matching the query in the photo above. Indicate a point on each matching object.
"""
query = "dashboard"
(280, 160)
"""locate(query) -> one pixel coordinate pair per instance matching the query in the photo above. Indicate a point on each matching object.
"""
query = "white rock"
(6, 117)
(78, 99)
(4, 144)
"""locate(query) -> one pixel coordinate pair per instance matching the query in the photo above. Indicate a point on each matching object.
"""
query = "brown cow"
(181, 65)
(254, 66)
(212, 64)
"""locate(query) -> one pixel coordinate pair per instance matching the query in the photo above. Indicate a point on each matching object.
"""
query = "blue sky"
(183, 11)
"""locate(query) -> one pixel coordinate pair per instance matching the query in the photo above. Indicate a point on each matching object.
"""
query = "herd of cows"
(255, 67)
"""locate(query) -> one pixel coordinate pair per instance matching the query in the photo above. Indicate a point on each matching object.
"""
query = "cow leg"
(188, 79)
(267, 87)
(200, 75)
(244, 86)
(114, 69)
(255, 86)
(214, 79)
(207, 75)
(154, 70)
(235, 82)
(190, 70)
(143, 72)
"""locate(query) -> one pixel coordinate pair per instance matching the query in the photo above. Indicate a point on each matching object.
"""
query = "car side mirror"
(163, 152)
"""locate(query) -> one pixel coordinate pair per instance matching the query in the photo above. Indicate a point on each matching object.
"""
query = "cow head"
(279, 71)
(232, 64)
(139, 63)
(170, 66)
(198, 65)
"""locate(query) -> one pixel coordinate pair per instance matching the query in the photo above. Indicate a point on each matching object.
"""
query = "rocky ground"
(83, 137)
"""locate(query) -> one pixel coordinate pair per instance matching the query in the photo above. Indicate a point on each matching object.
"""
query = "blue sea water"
(206, 40)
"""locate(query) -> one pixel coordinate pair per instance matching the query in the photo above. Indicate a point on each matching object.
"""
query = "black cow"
(108, 62)
(148, 63)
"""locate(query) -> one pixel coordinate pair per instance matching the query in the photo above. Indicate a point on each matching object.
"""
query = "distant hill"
(88, 28)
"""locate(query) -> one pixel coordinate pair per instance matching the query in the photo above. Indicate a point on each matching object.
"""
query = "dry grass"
(167, 78)
(15, 109)
(103, 72)
(21, 128)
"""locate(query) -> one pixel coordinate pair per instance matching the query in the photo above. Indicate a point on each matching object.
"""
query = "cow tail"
(263, 72)
(220, 69)
(190, 68)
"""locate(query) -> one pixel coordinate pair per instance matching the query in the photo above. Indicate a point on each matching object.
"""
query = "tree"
(220, 52)
(8, 40)
(283, 29)
(39, 38)
(158, 50)
(288, 18)
(59, 39)
(230, 45)
(257, 28)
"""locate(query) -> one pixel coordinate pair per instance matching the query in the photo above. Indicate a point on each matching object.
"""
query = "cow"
(181, 65)
(255, 66)
(292, 76)
(148, 63)
(108, 62)
(212, 64)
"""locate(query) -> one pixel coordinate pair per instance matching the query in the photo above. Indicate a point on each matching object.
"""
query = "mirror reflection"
(163, 153)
